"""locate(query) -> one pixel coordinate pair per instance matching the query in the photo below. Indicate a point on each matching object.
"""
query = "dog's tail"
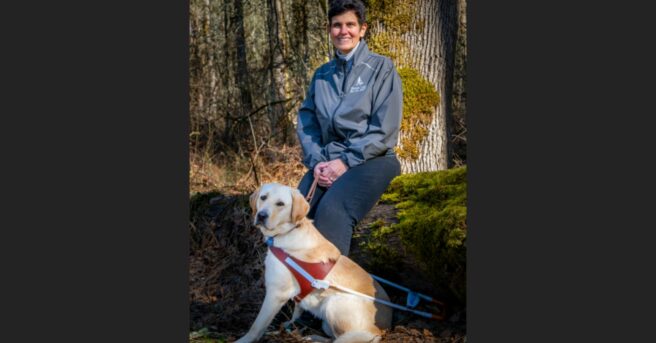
(358, 337)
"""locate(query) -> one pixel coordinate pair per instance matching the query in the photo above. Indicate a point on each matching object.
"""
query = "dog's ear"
(253, 200)
(300, 206)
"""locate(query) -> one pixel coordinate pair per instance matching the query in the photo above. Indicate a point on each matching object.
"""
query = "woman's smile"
(346, 31)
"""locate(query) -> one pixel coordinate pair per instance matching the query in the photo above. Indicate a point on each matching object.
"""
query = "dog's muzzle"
(261, 218)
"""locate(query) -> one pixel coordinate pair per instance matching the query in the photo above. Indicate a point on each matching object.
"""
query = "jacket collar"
(349, 54)
(360, 54)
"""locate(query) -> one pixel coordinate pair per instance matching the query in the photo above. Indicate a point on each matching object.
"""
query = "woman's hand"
(328, 172)
(318, 174)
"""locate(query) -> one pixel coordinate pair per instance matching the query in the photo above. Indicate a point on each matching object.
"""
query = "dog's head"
(277, 208)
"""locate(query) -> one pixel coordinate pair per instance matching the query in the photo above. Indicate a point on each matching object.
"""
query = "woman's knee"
(333, 215)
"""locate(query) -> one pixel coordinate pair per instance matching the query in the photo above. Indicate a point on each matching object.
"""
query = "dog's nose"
(261, 217)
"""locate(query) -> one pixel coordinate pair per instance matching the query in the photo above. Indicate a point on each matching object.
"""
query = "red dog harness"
(317, 270)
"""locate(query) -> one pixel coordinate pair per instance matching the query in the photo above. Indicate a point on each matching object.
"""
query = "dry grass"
(234, 174)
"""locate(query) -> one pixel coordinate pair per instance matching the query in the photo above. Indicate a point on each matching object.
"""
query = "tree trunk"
(426, 45)
(241, 73)
(277, 70)
(227, 132)
(459, 99)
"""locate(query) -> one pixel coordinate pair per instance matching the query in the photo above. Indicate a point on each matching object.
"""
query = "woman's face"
(345, 31)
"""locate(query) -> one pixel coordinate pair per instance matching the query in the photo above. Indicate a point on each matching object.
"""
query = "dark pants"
(338, 209)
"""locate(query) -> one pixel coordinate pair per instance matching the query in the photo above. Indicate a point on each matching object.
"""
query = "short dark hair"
(338, 7)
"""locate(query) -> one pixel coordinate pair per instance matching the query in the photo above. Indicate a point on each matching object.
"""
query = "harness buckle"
(323, 284)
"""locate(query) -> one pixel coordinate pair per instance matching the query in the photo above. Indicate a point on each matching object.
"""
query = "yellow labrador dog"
(280, 212)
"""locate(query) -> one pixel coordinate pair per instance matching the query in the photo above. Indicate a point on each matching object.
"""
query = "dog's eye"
(280, 203)
(263, 197)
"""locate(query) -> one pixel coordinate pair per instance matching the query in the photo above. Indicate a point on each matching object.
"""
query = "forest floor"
(226, 280)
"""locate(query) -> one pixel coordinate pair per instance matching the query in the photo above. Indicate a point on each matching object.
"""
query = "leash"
(313, 188)
(390, 304)
(412, 300)
(414, 297)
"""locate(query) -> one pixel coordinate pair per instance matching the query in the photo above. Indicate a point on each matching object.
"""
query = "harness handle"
(323, 284)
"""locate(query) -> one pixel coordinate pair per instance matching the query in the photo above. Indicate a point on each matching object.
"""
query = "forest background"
(251, 62)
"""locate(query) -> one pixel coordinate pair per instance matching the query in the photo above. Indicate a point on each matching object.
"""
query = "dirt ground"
(226, 280)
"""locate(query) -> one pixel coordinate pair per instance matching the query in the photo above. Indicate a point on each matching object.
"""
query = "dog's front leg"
(272, 304)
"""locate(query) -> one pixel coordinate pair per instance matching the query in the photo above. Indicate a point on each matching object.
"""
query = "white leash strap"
(315, 283)
(323, 284)
(385, 302)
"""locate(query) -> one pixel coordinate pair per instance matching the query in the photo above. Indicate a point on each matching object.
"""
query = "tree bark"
(277, 69)
(227, 131)
(429, 48)
(459, 97)
(431, 53)
(241, 73)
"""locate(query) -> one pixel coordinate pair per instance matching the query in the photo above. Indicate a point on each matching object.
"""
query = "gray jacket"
(352, 115)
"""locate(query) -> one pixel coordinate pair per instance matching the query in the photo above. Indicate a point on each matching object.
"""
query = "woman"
(348, 126)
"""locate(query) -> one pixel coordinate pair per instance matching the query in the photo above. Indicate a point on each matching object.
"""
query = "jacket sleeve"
(385, 121)
(308, 130)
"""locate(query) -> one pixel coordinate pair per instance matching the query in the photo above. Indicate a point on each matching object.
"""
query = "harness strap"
(308, 275)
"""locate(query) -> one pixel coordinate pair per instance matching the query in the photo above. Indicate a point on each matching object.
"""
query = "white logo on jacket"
(358, 87)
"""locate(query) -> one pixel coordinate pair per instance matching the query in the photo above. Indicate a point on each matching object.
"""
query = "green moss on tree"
(396, 17)
(382, 44)
(432, 224)
(419, 100)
